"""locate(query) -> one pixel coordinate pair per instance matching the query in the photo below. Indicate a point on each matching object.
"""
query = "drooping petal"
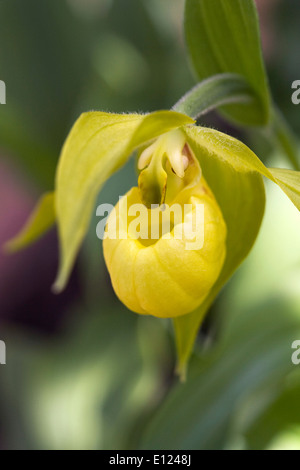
(233, 174)
(242, 159)
(41, 220)
(98, 145)
(289, 181)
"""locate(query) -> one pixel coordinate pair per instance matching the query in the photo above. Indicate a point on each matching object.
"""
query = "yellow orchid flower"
(181, 163)
(155, 270)
(161, 276)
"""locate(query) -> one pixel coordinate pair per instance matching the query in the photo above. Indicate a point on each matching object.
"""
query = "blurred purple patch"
(26, 277)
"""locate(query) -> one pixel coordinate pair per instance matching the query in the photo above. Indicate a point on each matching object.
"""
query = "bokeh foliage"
(105, 380)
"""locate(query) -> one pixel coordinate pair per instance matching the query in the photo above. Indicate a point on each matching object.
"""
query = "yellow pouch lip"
(149, 281)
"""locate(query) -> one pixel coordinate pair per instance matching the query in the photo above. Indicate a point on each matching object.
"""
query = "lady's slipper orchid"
(179, 162)
(168, 277)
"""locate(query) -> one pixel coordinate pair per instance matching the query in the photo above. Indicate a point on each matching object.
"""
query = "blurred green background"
(83, 372)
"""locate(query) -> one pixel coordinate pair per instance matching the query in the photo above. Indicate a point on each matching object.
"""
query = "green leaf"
(98, 145)
(41, 220)
(223, 37)
(253, 354)
(216, 91)
(282, 417)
